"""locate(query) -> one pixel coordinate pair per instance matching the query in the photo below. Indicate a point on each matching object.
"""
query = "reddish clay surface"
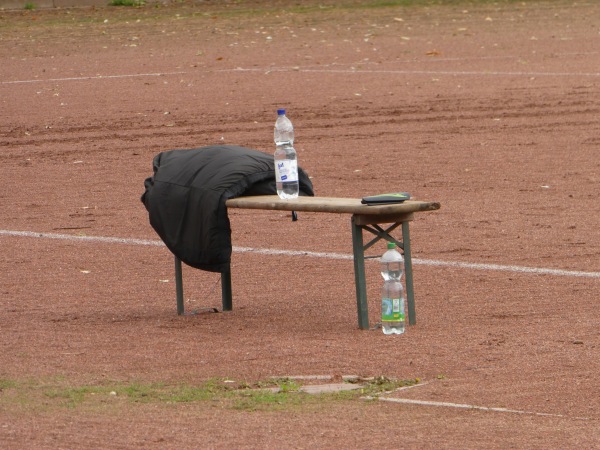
(490, 110)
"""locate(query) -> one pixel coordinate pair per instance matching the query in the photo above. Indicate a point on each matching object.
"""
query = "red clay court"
(491, 110)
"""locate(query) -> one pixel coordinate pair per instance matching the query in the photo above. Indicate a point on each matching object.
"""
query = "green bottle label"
(392, 310)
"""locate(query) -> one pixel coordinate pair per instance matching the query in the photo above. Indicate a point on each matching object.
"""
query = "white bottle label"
(286, 170)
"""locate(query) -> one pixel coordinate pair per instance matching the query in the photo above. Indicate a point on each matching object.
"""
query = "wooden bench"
(364, 218)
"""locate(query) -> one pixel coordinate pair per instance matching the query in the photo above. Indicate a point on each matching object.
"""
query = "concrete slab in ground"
(321, 388)
(329, 388)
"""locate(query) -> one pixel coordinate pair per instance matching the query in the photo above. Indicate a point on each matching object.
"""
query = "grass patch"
(72, 397)
(267, 395)
(138, 10)
(7, 384)
(381, 385)
(130, 3)
(29, 6)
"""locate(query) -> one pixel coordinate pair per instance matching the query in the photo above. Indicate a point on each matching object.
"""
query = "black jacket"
(186, 198)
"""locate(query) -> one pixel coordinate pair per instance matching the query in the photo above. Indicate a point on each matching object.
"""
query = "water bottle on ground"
(392, 295)
(286, 162)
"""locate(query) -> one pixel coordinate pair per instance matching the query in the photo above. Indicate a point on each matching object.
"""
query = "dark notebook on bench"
(386, 199)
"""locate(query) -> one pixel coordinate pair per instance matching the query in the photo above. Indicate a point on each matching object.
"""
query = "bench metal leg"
(410, 296)
(226, 293)
(225, 288)
(359, 276)
(179, 286)
(358, 249)
(360, 223)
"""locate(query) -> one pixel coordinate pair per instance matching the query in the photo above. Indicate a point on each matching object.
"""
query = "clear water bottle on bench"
(286, 162)
(392, 295)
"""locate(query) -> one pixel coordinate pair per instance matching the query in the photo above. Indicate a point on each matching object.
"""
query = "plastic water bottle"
(286, 162)
(284, 130)
(392, 295)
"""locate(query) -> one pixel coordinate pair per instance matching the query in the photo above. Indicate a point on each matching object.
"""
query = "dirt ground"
(492, 110)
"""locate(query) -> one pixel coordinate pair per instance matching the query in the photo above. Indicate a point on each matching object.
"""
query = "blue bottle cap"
(281, 112)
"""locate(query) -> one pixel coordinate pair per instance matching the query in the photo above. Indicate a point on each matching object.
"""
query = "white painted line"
(97, 77)
(274, 252)
(509, 268)
(474, 407)
(325, 255)
(72, 237)
(412, 386)
(418, 72)
(428, 262)
(403, 388)
(341, 71)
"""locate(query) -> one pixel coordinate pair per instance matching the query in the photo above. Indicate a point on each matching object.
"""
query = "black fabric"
(186, 198)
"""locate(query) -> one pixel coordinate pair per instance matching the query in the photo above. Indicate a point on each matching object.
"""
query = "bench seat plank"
(329, 205)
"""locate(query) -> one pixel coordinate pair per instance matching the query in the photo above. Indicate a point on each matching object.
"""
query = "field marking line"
(72, 237)
(475, 407)
(323, 70)
(509, 268)
(96, 77)
(417, 72)
(325, 255)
